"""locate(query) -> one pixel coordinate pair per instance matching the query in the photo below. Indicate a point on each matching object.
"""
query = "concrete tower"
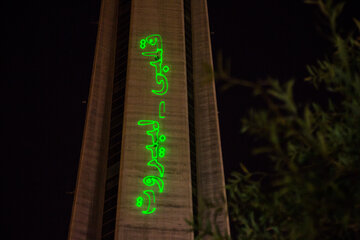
(151, 147)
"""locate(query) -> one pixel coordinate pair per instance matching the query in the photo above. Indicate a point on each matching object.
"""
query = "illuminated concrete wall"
(151, 203)
(175, 203)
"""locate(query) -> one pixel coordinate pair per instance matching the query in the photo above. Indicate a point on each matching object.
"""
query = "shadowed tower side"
(209, 164)
(86, 218)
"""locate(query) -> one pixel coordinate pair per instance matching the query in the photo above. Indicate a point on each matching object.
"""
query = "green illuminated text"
(156, 148)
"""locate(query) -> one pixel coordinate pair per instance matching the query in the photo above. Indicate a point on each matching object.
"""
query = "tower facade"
(151, 150)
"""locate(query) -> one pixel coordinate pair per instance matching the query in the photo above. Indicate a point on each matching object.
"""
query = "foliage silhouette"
(313, 188)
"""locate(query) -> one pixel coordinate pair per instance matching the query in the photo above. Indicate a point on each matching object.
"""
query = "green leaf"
(244, 168)
(357, 22)
(277, 95)
(308, 118)
(322, 144)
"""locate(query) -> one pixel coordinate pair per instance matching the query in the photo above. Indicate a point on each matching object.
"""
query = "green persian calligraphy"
(154, 42)
(161, 109)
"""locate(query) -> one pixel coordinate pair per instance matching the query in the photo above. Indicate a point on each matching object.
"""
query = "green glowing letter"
(154, 133)
(142, 43)
(154, 163)
(156, 41)
(161, 109)
(155, 53)
(161, 80)
(139, 201)
(151, 198)
(162, 138)
(152, 180)
(165, 68)
(162, 152)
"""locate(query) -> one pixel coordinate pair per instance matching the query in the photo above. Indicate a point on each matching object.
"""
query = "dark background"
(46, 62)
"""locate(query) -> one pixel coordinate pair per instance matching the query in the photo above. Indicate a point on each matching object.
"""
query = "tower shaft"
(151, 152)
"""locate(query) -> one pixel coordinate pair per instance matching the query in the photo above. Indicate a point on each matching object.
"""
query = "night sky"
(46, 62)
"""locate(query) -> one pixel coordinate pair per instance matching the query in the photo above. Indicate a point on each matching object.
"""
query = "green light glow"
(154, 42)
(142, 43)
(165, 68)
(161, 109)
(151, 195)
(162, 152)
(154, 133)
(152, 180)
(154, 163)
(139, 201)
(162, 138)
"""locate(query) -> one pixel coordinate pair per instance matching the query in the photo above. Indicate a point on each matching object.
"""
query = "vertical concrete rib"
(210, 173)
(89, 193)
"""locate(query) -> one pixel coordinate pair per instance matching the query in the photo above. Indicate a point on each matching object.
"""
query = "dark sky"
(46, 62)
